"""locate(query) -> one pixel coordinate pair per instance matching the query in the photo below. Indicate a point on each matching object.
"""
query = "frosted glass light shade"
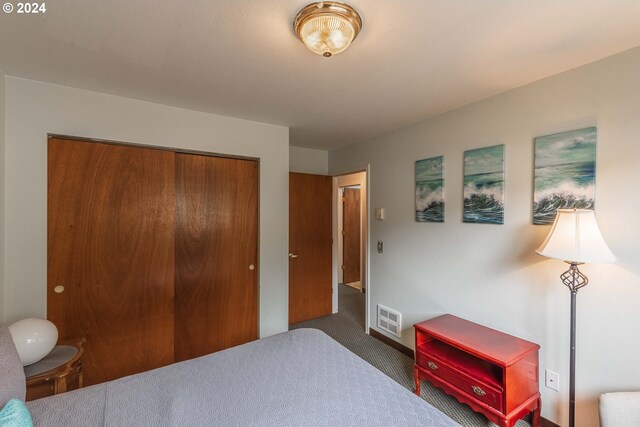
(327, 28)
(575, 237)
(34, 339)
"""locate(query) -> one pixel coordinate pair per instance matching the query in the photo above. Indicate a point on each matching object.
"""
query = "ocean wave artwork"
(565, 173)
(430, 190)
(484, 185)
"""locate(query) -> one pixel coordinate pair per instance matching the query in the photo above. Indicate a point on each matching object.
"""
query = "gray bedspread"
(298, 378)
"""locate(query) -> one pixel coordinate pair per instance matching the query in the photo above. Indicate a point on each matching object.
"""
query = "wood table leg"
(60, 383)
(416, 376)
(535, 417)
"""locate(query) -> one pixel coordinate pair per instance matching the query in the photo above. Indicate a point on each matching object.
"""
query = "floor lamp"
(575, 238)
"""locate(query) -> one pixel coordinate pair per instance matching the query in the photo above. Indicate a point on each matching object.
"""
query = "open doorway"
(350, 297)
(350, 237)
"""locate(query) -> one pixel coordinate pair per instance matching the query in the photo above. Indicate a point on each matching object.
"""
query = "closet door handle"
(293, 256)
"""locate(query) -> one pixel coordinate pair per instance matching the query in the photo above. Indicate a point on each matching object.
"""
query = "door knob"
(58, 289)
(293, 256)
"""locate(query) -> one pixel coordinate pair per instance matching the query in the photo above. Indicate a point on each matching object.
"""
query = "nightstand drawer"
(41, 389)
(470, 385)
(55, 383)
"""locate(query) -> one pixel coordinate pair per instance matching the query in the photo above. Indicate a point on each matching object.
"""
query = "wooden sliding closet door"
(216, 288)
(111, 254)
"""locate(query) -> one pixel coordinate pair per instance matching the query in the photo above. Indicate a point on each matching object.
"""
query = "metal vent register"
(389, 320)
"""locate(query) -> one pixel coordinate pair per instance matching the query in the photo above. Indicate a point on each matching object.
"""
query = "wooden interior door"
(310, 246)
(216, 285)
(351, 235)
(110, 254)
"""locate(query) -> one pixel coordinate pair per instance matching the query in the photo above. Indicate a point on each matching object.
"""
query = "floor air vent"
(389, 320)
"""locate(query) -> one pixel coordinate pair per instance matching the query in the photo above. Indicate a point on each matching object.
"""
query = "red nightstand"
(494, 373)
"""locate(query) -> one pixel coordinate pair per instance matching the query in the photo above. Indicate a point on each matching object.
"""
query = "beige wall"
(2, 166)
(490, 273)
(307, 160)
(34, 109)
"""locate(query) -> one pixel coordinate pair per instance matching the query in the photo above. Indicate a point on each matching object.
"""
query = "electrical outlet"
(552, 380)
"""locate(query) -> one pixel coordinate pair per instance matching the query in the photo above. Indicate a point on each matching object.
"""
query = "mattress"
(297, 378)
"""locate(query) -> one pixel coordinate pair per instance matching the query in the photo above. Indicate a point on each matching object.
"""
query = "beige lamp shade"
(575, 237)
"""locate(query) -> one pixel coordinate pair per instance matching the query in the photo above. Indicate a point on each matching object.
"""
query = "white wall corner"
(308, 160)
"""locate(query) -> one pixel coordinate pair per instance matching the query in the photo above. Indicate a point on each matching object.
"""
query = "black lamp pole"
(572, 365)
(574, 280)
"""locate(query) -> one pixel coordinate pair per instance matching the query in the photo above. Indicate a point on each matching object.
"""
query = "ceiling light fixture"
(327, 28)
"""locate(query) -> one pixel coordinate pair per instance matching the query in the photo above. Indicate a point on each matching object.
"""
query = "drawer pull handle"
(432, 365)
(477, 390)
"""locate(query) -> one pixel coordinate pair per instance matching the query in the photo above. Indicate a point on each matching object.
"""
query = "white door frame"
(365, 194)
(361, 232)
(340, 248)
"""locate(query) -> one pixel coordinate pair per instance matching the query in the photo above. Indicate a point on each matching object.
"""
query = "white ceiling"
(240, 58)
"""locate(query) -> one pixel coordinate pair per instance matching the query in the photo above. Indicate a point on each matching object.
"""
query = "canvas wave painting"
(565, 173)
(430, 190)
(484, 185)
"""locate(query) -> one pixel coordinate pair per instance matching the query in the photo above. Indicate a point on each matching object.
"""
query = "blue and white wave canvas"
(430, 190)
(565, 173)
(484, 185)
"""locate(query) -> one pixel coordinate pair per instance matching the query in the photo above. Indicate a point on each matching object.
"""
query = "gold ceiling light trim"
(328, 27)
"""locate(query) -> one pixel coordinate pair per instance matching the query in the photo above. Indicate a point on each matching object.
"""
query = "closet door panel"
(310, 240)
(216, 289)
(351, 239)
(111, 254)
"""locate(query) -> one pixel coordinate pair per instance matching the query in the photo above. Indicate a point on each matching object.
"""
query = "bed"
(297, 378)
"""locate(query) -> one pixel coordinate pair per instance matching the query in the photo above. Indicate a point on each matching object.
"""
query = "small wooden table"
(58, 372)
(494, 373)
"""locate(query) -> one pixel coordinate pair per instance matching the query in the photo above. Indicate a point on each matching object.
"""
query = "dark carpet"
(347, 327)
(351, 304)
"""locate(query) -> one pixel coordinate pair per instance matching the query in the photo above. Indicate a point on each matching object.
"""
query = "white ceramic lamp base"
(34, 339)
